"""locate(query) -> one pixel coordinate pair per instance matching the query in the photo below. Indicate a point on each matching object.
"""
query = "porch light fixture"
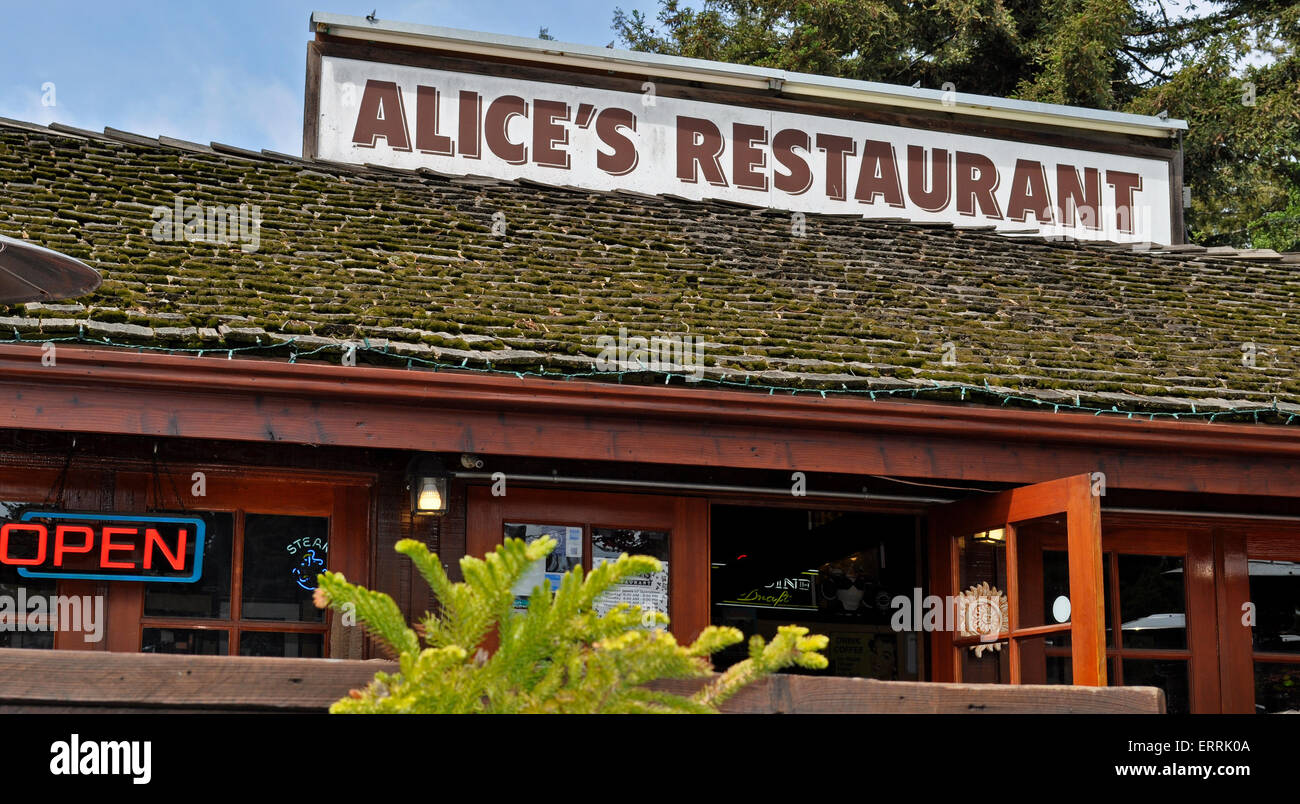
(427, 480)
(994, 536)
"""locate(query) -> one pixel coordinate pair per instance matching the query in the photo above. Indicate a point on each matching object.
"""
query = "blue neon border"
(200, 529)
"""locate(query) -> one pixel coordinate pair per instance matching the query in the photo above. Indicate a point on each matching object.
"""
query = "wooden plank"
(1235, 639)
(808, 695)
(311, 102)
(90, 678)
(689, 570)
(1087, 603)
(103, 391)
(1177, 224)
(76, 681)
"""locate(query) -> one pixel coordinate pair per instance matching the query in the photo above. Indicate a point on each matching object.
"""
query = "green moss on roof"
(412, 259)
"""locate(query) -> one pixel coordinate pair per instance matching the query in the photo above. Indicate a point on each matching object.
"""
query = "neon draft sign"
(41, 543)
(459, 123)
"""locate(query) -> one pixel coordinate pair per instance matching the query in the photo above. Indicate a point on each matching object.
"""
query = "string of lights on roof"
(964, 390)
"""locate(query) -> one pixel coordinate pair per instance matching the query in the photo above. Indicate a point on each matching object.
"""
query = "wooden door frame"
(1071, 496)
(686, 518)
(1236, 543)
(1193, 541)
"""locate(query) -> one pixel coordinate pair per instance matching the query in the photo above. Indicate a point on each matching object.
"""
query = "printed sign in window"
(650, 592)
(566, 555)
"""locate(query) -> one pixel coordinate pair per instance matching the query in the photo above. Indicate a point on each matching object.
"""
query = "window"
(255, 594)
(18, 629)
(1147, 638)
(1274, 591)
(835, 572)
(602, 544)
(593, 527)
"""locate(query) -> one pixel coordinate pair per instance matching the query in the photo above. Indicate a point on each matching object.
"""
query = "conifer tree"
(559, 656)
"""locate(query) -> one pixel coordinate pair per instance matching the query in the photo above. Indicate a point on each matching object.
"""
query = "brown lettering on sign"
(1125, 185)
(547, 133)
(61, 544)
(878, 175)
(1083, 196)
(938, 169)
(470, 123)
(977, 180)
(800, 177)
(624, 158)
(1029, 193)
(177, 559)
(496, 128)
(699, 146)
(15, 527)
(427, 138)
(837, 149)
(748, 162)
(381, 115)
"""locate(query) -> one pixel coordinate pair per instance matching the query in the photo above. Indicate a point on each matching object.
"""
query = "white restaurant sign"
(460, 123)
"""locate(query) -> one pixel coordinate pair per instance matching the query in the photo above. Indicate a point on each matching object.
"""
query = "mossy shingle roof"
(410, 263)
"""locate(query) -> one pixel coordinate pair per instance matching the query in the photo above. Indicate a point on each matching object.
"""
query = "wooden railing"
(98, 681)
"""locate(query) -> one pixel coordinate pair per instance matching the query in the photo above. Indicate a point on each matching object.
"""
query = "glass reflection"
(1152, 602)
(184, 640)
(209, 596)
(282, 557)
(1275, 591)
(1277, 687)
(270, 643)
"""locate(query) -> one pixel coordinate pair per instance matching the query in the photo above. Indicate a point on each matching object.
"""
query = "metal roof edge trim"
(790, 83)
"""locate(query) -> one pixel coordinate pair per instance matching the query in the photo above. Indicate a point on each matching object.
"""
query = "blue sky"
(228, 72)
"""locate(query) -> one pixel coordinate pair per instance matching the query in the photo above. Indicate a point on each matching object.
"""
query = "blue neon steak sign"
(40, 543)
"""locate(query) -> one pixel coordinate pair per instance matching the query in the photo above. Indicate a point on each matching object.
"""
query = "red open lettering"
(177, 559)
(16, 527)
(109, 547)
(61, 546)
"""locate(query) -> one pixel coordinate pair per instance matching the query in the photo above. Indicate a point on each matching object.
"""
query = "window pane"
(1275, 591)
(1277, 687)
(267, 643)
(13, 587)
(650, 592)
(1056, 583)
(21, 543)
(1152, 603)
(991, 665)
(282, 557)
(566, 555)
(1169, 675)
(837, 573)
(209, 596)
(1060, 670)
(26, 639)
(184, 640)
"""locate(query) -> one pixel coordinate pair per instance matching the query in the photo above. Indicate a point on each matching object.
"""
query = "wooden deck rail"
(103, 682)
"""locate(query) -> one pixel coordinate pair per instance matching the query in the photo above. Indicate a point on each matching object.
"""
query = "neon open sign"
(110, 547)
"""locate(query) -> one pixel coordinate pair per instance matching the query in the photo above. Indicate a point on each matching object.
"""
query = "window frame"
(685, 519)
(343, 500)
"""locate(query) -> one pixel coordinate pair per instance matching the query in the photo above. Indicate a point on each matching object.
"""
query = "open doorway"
(835, 572)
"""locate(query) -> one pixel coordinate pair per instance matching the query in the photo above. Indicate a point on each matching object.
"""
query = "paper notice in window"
(650, 592)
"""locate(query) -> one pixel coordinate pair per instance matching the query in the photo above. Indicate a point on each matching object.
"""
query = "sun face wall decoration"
(982, 612)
